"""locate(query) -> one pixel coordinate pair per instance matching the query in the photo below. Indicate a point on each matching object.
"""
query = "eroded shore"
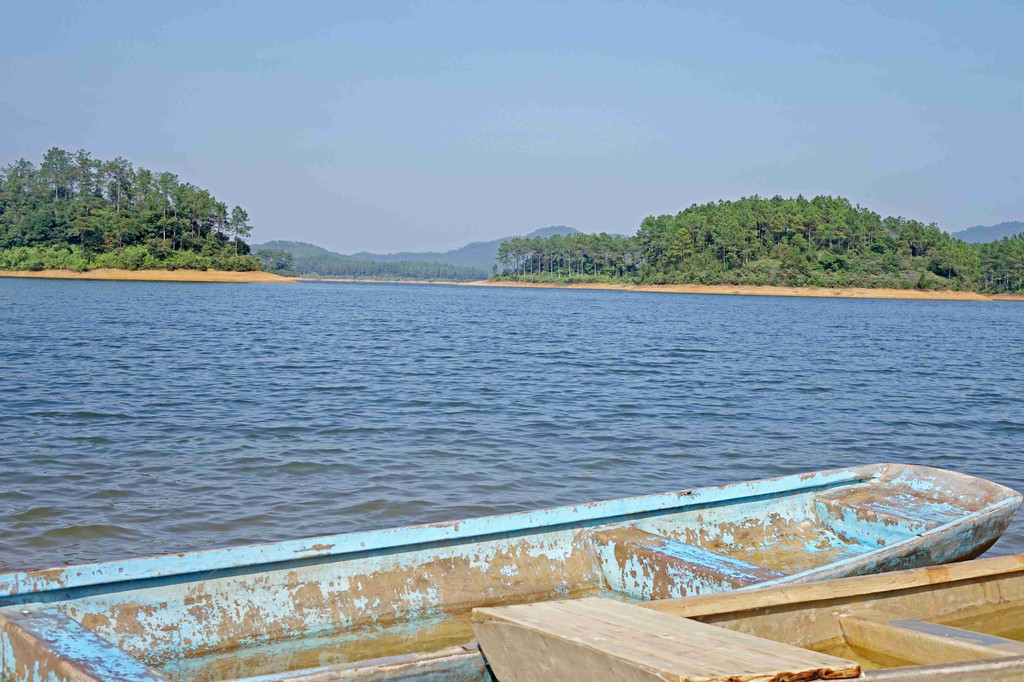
(378, 281)
(751, 290)
(726, 289)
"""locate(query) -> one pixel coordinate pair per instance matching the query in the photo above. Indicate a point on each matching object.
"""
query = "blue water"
(140, 418)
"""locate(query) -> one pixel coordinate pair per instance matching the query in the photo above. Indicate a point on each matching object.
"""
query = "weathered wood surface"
(455, 664)
(925, 618)
(921, 642)
(603, 639)
(652, 566)
(840, 588)
(1009, 669)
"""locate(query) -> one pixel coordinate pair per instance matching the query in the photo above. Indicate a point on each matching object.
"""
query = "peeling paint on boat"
(363, 594)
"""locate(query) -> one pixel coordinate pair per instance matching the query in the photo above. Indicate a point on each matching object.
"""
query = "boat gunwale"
(328, 546)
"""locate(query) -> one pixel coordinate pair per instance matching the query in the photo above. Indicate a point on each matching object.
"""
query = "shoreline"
(377, 281)
(764, 290)
(113, 274)
(227, 276)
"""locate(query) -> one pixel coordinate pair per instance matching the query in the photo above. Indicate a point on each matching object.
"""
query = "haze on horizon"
(426, 125)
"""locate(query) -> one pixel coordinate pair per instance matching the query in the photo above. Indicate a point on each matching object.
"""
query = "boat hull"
(249, 612)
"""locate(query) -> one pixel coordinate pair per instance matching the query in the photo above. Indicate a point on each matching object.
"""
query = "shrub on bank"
(139, 257)
(43, 258)
(128, 258)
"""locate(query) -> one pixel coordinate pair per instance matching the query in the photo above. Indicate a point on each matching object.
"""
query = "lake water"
(139, 418)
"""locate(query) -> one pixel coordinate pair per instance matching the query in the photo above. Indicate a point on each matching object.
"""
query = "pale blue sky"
(388, 126)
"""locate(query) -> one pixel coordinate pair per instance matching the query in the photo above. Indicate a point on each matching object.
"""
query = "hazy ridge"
(310, 260)
(473, 261)
(980, 234)
(479, 255)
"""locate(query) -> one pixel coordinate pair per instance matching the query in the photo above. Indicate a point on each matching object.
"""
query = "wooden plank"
(590, 639)
(841, 588)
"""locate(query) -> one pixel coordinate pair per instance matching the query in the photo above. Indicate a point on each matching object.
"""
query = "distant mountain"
(313, 261)
(480, 255)
(989, 233)
(297, 249)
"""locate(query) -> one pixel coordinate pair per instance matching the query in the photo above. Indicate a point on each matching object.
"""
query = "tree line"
(74, 211)
(824, 241)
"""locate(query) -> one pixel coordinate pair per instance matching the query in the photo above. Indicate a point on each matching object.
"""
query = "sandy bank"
(750, 290)
(378, 281)
(152, 275)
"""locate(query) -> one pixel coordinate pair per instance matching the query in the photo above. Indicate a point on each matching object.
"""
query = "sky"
(425, 125)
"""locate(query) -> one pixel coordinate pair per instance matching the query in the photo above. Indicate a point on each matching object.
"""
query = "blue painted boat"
(395, 603)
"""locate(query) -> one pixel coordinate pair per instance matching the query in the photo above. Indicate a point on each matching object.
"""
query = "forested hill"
(479, 255)
(76, 212)
(313, 261)
(980, 234)
(824, 241)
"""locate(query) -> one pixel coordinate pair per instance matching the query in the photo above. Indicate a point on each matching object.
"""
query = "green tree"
(57, 168)
(239, 224)
(107, 213)
(825, 240)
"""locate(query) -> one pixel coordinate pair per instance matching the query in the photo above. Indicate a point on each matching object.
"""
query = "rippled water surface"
(139, 418)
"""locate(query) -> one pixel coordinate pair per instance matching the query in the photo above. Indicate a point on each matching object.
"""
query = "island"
(73, 216)
(773, 245)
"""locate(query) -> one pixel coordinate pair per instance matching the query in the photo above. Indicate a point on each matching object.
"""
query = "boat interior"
(908, 625)
(356, 600)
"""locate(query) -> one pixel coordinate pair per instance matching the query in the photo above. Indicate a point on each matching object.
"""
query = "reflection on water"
(140, 418)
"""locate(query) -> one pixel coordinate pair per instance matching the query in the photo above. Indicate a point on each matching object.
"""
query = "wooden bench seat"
(886, 510)
(647, 566)
(602, 639)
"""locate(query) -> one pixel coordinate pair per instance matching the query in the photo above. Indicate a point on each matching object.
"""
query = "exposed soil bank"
(751, 290)
(734, 289)
(379, 281)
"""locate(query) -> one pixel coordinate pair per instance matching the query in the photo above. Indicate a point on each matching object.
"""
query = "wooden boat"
(343, 607)
(603, 639)
(959, 622)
